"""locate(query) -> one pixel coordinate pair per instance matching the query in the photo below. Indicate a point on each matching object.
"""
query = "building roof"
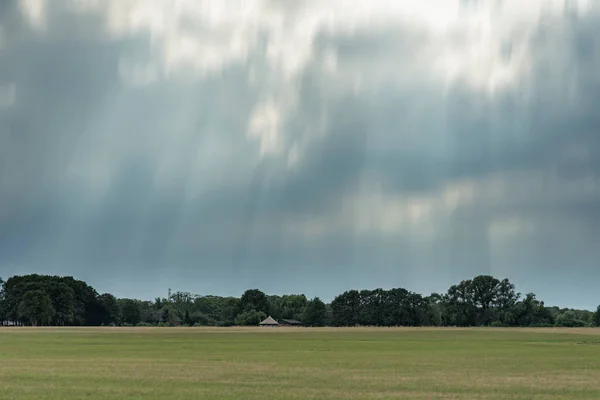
(291, 321)
(269, 321)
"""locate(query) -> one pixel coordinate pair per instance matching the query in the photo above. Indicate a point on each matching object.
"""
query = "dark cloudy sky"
(301, 146)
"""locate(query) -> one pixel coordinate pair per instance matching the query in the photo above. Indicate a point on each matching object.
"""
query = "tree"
(315, 313)
(62, 297)
(290, 306)
(275, 309)
(149, 314)
(111, 312)
(214, 310)
(85, 301)
(251, 317)
(396, 308)
(345, 308)
(483, 300)
(485, 289)
(529, 312)
(168, 315)
(568, 319)
(36, 307)
(371, 307)
(183, 301)
(187, 320)
(434, 311)
(131, 311)
(2, 307)
(460, 305)
(228, 312)
(253, 300)
(507, 297)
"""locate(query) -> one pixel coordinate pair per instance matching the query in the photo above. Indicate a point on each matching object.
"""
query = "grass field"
(190, 363)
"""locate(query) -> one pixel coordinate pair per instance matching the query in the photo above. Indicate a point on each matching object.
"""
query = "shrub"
(542, 325)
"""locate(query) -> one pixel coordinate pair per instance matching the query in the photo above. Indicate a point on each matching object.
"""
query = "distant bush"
(542, 325)
(568, 319)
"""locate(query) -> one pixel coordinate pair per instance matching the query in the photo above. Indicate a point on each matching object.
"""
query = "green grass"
(189, 363)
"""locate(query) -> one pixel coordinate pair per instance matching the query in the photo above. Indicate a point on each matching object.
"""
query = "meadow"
(301, 363)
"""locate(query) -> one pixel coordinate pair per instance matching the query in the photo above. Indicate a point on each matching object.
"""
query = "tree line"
(42, 300)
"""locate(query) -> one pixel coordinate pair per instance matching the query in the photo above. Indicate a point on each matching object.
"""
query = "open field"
(251, 363)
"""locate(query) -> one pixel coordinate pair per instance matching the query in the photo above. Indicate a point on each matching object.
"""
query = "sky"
(302, 146)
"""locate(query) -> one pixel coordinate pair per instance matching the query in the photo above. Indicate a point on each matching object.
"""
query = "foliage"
(187, 320)
(315, 313)
(110, 310)
(481, 301)
(36, 307)
(254, 299)
(74, 302)
(568, 319)
(251, 317)
(131, 311)
(3, 311)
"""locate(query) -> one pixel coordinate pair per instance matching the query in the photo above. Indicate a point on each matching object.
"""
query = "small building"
(289, 322)
(269, 322)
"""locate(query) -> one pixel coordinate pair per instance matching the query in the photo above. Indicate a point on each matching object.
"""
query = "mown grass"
(190, 363)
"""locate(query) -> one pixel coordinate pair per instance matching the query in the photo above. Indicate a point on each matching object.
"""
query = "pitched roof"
(291, 321)
(269, 321)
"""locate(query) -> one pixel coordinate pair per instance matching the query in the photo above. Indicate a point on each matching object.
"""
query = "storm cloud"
(305, 146)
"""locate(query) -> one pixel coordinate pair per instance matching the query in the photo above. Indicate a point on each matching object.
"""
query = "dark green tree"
(210, 310)
(63, 298)
(568, 319)
(2, 305)
(131, 311)
(371, 308)
(111, 312)
(460, 306)
(254, 299)
(345, 308)
(529, 312)
(86, 307)
(485, 293)
(483, 300)
(434, 313)
(36, 308)
(315, 313)
(275, 309)
(250, 318)
(149, 313)
(187, 320)
(182, 302)
(229, 309)
(290, 306)
(169, 315)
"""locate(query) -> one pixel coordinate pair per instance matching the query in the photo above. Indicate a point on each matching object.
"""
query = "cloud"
(274, 140)
(35, 12)
(8, 95)
(484, 46)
